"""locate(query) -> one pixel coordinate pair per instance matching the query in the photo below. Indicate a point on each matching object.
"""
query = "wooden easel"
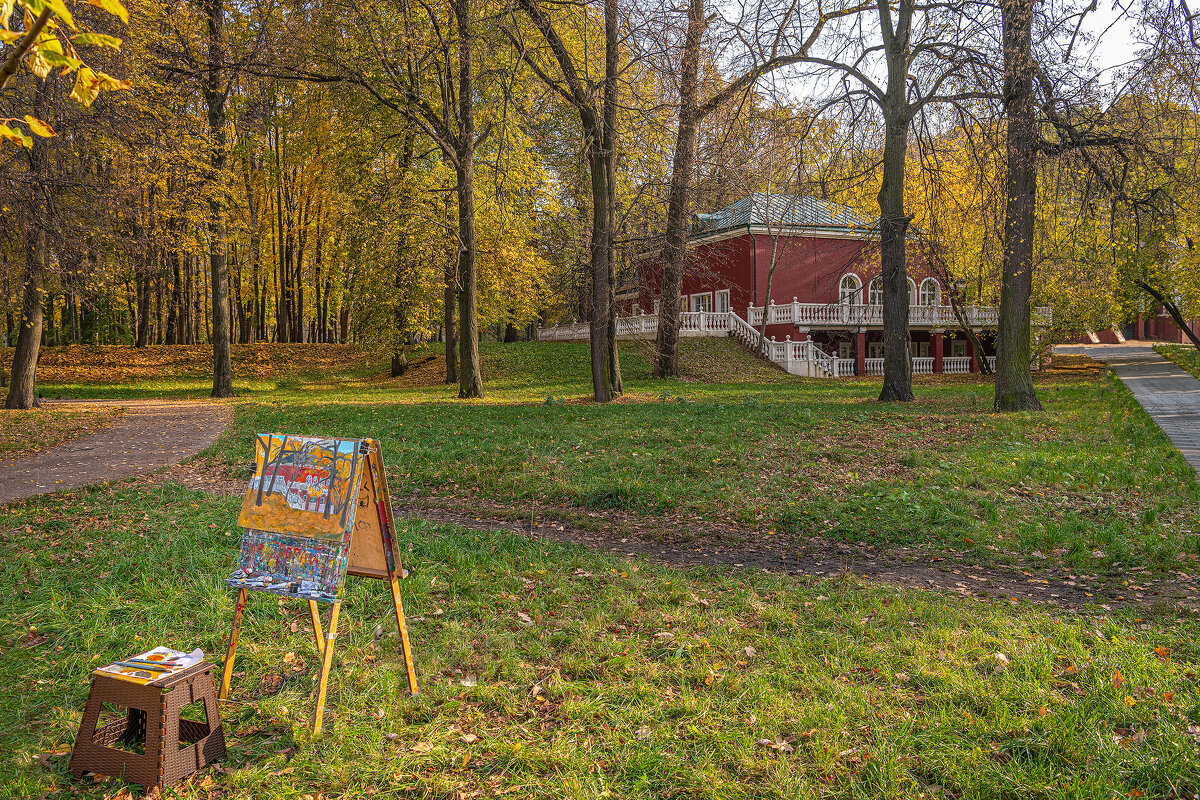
(372, 554)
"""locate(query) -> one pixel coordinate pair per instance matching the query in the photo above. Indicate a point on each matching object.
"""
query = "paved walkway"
(150, 435)
(1170, 395)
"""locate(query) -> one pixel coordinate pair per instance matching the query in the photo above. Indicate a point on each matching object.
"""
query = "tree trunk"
(611, 55)
(893, 222)
(598, 261)
(674, 253)
(141, 283)
(470, 380)
(448, 325)
(450, 292)
(23, 385)
(214, 95)
(1014, 380)
(21, 392)
(893, 226)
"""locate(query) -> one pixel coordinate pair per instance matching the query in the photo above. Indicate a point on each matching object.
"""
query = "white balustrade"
(956, 365)
(794, 356)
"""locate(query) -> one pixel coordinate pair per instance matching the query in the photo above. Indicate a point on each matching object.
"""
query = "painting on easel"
(298, 514)
(316, 510)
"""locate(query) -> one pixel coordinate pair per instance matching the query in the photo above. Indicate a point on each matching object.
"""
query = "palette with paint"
(153, 665)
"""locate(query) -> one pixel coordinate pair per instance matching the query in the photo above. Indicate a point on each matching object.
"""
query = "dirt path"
(691, 543)
(697, 544)
(150, 435)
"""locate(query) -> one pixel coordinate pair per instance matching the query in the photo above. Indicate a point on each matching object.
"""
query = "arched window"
(931, 292)
(875, 292)
(850, 291)
(912, 292)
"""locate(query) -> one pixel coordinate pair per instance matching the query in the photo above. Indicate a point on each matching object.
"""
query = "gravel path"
(150, 435)
(1169, 393)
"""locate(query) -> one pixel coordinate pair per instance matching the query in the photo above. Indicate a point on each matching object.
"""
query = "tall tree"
(1014, 380)
(693, 109)
(216, 90)
(922, 50)
(589, 98)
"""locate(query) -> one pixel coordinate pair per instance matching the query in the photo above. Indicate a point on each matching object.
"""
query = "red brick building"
(821, 261)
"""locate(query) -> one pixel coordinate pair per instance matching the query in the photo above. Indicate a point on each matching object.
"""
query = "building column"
(860, 353)
(973, 356)
(935, 350)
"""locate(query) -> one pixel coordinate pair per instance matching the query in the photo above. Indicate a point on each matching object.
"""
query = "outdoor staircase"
(796, 358)
(802, 357)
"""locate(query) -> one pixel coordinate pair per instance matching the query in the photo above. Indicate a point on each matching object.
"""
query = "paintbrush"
(170, 662)
(142, 667)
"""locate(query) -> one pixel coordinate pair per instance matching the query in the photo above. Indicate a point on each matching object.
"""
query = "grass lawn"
(1091, 483)
(26, 432)
(1185, 355)
(551, 671)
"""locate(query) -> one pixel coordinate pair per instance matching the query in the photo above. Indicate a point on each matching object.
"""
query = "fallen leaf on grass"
(778, 743)
(468, 738)
(526, 620)
(283, 771)
(470, 680)
(422, 748)
(642, 733)
(44, 758)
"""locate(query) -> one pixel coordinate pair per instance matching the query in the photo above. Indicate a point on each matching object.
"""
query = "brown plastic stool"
(172, 748)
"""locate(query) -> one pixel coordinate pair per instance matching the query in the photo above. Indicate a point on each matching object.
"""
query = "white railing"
(798, 358)
(567, 333)
(956, 365)
(640, 323)
(992, 362)
(797, 313)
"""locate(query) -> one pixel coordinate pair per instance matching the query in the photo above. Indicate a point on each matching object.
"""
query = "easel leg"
(405, 647)
(316, 621)
(227, 674)
(323, 681)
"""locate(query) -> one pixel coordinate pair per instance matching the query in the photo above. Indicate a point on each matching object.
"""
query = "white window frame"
(695, 301)
(722, 304)
(930, 297)
(847, 297)
(920, 349)
(958, 348)
(874, 349)
(875, 292)
(846, 349)
(912, 292)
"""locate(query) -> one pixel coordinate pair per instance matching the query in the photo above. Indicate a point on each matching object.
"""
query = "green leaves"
(98, 39)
